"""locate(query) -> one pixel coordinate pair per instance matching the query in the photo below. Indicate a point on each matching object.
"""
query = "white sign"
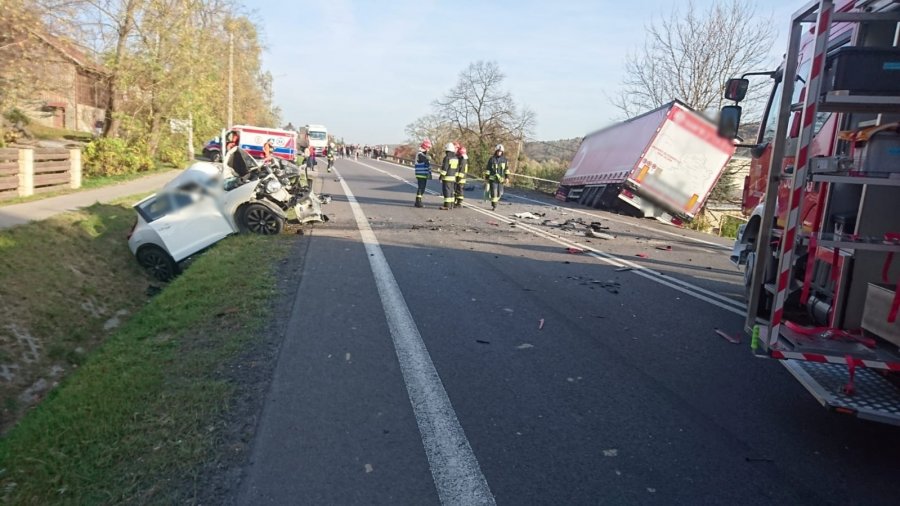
(180, 126)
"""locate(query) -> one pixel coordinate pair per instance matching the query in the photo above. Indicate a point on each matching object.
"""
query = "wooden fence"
(25, 172)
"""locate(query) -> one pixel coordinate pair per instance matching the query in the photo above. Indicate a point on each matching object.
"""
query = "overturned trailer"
(662, 164)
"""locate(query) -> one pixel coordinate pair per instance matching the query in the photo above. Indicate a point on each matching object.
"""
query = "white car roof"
(199, 173)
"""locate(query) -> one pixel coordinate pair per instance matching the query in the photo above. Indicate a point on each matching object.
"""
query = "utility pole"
(190, 136)
(229, 121)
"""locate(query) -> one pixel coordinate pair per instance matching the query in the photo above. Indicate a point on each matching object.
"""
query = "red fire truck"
(823, 200)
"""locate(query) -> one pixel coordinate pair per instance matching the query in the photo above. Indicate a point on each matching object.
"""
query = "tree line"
(161, 59)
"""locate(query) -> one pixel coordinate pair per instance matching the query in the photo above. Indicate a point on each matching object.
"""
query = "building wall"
(61, 88)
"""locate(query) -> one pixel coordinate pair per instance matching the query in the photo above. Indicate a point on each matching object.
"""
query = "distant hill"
(562, 150)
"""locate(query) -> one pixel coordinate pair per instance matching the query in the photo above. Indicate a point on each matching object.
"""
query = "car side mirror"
(736, 89)
(729, 121)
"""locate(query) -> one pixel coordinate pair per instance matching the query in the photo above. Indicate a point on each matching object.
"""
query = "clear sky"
(367, 68)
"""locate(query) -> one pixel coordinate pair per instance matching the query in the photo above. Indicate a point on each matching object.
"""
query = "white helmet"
(450, 147)
(499, 148)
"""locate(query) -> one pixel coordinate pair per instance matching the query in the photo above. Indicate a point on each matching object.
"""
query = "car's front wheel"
(157, 263)
(259, 219)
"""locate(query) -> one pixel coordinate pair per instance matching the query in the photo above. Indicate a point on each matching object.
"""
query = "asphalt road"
(448, 356)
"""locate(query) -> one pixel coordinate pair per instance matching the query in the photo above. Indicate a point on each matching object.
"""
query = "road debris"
(574, 251)
(731, 339)
(664, 248)
(417, 227)
(524, 346)
(612, 452)
(610, 286)
(600, 235)
(481, 341)
(623, 269)
(493, 223)
(541, 324)
(528, 216)
(551, 223)
(642, 255)
(325, 199)
(369, 468)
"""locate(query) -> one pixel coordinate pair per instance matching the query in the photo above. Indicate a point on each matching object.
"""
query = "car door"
(187, 222)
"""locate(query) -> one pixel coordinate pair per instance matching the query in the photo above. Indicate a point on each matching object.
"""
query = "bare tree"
(688, 55)
(481, 113)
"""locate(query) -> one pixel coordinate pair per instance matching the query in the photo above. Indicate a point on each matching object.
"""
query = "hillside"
(562, 150)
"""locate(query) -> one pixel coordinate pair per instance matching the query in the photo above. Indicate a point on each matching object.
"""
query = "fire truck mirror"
(729, 121)
(736, 89)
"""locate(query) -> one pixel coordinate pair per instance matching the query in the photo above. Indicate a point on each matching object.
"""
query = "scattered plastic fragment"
(369, 468)
(524, 346)
(600, 235)
(574, 251)
(642, 255)
(622, 269)
(612, 452)
(481, 341)
(527, 216)
(494, 223)
(664, 248)
(729, 338)
(541, 324)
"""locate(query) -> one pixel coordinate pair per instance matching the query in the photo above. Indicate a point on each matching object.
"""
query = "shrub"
(111, 157)
(16, 117)
(172, 153)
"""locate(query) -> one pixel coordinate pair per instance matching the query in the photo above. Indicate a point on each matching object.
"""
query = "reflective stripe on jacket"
(497, 167)
(449, 167)
(423, 166)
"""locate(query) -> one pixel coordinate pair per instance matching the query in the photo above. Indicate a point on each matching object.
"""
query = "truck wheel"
(157, 263)
(259, 219)
(748, 273)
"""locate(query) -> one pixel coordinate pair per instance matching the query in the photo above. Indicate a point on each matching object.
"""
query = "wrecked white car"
(208, 202)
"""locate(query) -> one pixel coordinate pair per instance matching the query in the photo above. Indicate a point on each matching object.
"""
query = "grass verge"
(140, 413)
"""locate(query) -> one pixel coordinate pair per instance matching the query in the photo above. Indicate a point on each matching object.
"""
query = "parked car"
(201, 206)
(212, 150)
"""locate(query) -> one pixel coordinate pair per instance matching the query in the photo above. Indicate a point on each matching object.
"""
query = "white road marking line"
(685, 287)
(623, 222)
(454, 468)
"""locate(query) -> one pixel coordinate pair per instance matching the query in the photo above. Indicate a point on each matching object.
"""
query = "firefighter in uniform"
(496, 175)
(423, 170)
(461, 173)
(330, 156)
(448, 175)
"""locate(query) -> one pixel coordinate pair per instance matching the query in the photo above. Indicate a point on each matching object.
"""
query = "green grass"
(50, 133)
(141, 411)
